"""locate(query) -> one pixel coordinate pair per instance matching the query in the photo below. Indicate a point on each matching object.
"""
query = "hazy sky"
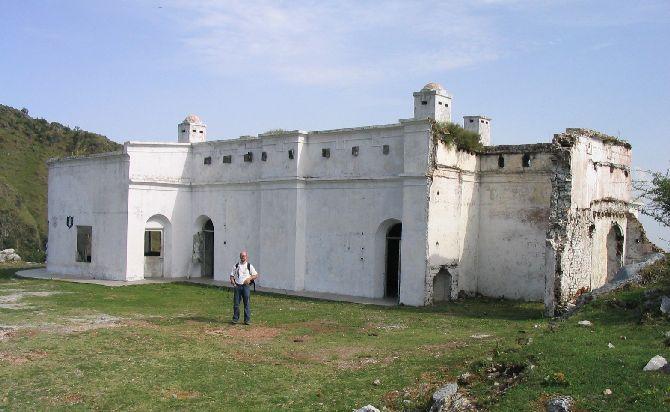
(134, 70)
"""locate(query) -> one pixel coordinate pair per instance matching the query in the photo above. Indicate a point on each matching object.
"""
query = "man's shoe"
(233, 322)
(247, 323)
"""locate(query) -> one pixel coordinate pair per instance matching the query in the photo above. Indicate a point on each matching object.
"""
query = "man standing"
(241, 276)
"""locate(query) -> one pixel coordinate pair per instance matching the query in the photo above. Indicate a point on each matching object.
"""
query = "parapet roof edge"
(517, 148)
(53, 160)
(362, 128)
(143, 143)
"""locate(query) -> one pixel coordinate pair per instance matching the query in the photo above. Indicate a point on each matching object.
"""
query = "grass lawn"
(170, 346)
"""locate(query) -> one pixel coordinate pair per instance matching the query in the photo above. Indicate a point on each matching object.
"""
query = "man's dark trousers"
(241, 292)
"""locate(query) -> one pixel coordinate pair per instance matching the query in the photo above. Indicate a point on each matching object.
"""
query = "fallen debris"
(560, 404)
(9, 255)
(585, 323)
(447, 399)
(665, 305)
(655, 363)
(367, 408)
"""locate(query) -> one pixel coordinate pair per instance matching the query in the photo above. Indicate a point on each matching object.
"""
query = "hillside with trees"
(25, 146)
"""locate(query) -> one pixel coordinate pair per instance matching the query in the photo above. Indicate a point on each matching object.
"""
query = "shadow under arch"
(203, 246)
(387, 258)
(614, 246)
(157, 247)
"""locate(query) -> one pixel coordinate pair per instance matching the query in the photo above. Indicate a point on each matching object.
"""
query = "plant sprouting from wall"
(454, 135)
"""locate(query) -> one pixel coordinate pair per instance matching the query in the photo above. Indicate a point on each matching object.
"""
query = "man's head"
(243, 256)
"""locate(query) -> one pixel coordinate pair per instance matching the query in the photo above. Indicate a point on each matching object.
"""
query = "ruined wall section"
(452, 223)
(638, 245)
(590, 202)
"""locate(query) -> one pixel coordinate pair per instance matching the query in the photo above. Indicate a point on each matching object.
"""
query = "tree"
(654, 193)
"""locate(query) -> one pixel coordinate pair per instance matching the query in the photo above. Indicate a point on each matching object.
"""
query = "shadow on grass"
(8, 271)
(475, 308)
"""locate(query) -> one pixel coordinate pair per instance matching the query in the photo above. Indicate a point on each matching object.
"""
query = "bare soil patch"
(321, 326)
(14, 300)
(253, 333)
(373, 327)
(7, 332)
(443, 347)
(350, 358)
(86, 323)
(180, 395)
(14, 359)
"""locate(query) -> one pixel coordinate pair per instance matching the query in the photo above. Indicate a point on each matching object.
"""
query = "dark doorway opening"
(393, 261)
(207, 269)
(614, 252)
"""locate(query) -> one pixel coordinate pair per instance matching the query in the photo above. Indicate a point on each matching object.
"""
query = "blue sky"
(133, 70)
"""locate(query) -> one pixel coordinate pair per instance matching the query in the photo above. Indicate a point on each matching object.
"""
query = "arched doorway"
(156, 245)
(614, 251)
(392, 282)
(207, 257)
(442, 286)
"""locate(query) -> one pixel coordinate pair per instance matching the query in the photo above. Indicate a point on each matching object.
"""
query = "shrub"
(452, 135)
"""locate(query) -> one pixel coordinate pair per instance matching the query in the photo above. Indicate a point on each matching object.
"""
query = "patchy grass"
(569, 359)
(169, 346)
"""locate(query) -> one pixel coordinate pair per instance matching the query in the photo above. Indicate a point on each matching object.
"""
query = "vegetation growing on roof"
(274, 131)
(615, 141)
(454, 135)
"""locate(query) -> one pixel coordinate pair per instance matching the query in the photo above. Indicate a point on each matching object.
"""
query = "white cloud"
(348, 42)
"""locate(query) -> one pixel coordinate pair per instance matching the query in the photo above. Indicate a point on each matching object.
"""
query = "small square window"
(152, 242)
(207, 160)
(227, 159)
(264, 156)
(325, 153)
(472, 120)
(183, 130)
(201, 131)
(440, 103)
(290, 153)
(354, 151)
(194, 130)
(386, 149)
(249, 157)
(423, 102)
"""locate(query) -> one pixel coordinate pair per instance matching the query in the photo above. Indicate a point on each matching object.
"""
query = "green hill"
(25, 146)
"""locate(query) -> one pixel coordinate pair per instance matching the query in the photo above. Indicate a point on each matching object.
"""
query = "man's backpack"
(237, 267)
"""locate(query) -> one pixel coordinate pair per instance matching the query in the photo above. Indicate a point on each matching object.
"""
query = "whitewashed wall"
(309, 223)
(94, 191)
(453, 219)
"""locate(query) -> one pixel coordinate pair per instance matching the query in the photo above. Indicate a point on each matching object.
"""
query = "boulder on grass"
(655, 363)
(560, 404)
